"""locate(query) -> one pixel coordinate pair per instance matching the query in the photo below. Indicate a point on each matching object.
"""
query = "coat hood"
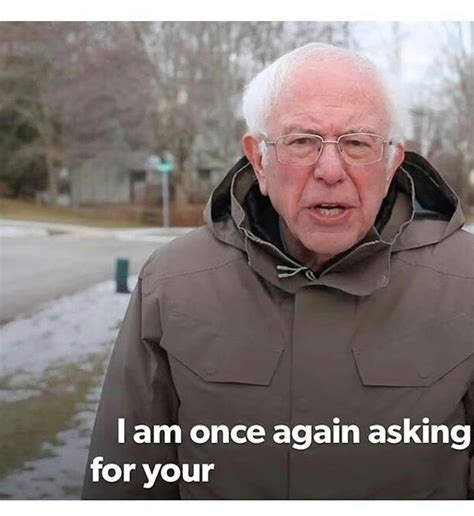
(420, 209)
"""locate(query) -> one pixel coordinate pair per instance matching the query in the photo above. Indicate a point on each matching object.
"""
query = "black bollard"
(121, 276)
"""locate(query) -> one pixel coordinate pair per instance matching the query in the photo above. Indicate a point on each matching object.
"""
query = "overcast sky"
(421, 45)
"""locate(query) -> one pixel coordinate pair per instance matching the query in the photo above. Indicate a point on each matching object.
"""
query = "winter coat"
(224, 328)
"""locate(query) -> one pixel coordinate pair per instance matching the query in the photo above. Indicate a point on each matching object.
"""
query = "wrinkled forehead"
(328, 84)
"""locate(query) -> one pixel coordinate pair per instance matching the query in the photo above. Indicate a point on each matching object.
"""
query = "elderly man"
(331, 286)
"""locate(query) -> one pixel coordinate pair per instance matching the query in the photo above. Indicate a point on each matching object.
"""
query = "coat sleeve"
(138, 387)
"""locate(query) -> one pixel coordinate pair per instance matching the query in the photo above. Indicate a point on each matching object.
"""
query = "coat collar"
(360, 271)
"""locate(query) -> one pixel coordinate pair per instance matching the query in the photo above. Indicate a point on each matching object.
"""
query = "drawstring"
(293, 271)
(288, 272)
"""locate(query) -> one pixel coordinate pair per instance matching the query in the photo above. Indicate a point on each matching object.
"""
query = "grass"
(5, 381)
(27, 424)
(101, 216)
(29, 210)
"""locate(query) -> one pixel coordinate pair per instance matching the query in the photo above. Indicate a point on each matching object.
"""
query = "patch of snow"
(159, 235)
(469, 228)
(15, 232)
(10, 395)
(63, 331)
(18, 228)
(131, 237)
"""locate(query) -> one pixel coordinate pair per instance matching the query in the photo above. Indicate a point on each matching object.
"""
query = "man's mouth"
(329, 210)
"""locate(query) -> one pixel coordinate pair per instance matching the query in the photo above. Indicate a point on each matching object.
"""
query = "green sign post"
(166, 169)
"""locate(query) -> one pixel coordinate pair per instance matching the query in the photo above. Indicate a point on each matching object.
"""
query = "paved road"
(35, 269)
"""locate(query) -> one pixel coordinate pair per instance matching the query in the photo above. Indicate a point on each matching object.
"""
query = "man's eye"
(356, 143)
(300, 141)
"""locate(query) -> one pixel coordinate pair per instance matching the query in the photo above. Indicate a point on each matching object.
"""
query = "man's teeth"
(329, 210)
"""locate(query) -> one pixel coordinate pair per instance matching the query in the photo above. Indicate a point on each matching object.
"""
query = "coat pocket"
(416, 358)
(218, 356)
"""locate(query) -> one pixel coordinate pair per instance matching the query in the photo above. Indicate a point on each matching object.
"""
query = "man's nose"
(330, 165)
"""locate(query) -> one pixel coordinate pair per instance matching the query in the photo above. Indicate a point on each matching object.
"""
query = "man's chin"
(314, 248)
(323, 252)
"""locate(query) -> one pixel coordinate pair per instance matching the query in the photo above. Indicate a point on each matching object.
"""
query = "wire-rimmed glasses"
(305, 149)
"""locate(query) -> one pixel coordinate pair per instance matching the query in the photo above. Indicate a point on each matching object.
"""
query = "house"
(116, 177)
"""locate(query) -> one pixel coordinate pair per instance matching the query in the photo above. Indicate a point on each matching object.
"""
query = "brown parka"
(225, 328)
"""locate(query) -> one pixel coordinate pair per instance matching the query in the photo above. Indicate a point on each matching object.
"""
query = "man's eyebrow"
(299, 129)
(361, 130)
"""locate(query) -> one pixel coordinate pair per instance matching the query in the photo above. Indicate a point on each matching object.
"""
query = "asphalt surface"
(35, 269)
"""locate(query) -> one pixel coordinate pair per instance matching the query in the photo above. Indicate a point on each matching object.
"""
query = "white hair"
(263, 90)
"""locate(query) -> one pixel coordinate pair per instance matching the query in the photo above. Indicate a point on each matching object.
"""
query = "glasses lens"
(361, 148)
(298, 149)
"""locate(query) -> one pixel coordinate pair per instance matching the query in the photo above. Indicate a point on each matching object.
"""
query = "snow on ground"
(18, 228)
(12, 232)
(63, 331)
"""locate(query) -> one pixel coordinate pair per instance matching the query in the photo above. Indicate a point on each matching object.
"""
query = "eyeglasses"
(306, 149)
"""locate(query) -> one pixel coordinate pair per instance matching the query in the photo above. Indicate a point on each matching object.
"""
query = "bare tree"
(157, 86)
(455, 68)
(23, 72)
(200, 69)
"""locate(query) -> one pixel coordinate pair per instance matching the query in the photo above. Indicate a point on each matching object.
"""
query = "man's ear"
(395, 163)
(251, 147)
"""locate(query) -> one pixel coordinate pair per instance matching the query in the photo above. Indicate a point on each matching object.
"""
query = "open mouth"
(329, 210)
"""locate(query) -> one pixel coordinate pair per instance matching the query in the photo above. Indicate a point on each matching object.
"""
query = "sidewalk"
(11, 227)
